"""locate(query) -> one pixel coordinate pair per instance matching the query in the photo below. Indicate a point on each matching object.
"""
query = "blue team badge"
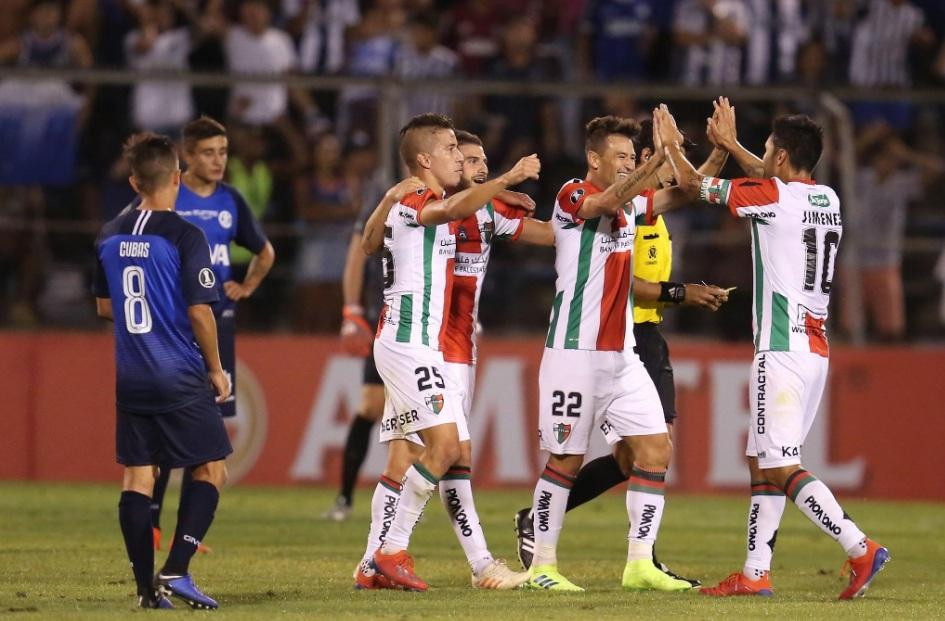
(207, 278)
(225, 218)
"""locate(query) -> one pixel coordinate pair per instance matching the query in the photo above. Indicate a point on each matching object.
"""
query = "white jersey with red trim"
(795, 234)
(593, 305)
(418, 275)
(474, 237)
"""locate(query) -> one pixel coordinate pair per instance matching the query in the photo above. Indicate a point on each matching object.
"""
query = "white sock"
(383, 506)
(645, 502)
(815, 500)
(549, 504)
(457, 498)
(418, 486)
(764, 517)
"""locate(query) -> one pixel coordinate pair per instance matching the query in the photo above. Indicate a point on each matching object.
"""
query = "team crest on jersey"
(818, 200)
(207, 278)
(486, 231)
(576, 195)
(435, 403)
(651, 252)
(562, 432)
(225, 218)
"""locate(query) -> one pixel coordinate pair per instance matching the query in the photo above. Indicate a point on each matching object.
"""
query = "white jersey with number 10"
(795, 236)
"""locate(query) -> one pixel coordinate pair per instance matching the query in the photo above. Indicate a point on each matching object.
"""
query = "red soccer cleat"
(738, 584)
(863, 569)
(366, 577)
(156, 537)
(398, 568)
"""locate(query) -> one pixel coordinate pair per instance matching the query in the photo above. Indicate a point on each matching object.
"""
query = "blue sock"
(134, 516)
(197, 505)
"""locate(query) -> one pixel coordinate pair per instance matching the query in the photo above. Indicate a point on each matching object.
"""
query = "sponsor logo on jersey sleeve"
(818, 200)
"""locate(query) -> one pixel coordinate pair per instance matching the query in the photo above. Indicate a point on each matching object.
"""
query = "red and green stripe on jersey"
(416, 301)
(474, 238)
(795, 232)
(593, 306)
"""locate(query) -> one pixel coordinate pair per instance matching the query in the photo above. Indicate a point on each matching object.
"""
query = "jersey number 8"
(137, 312)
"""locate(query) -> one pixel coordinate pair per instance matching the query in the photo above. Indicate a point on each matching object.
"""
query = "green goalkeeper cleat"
(643, 575)
(548, 578)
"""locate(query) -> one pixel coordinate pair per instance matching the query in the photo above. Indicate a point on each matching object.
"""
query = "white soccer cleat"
(498, 576)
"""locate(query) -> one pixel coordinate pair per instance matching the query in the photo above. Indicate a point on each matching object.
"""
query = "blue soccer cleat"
(183, 587)
(156, 600)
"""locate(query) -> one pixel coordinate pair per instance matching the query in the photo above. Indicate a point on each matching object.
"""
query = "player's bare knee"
(465, 454)
(372, 400)
(567, 464)
(446, 453)
(652, 452)
(139, 479)
(624, 456)
(779, 476)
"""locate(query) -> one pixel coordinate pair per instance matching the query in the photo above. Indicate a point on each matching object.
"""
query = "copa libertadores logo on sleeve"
(207, 278)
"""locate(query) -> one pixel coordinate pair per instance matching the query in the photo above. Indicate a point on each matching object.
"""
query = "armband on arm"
(714, 190)
(672, 292)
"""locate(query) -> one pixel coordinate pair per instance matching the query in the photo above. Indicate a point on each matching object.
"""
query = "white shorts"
(579, 390)
(421, 391)
(784, 394)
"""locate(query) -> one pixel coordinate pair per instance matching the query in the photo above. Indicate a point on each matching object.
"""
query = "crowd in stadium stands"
(305, 160)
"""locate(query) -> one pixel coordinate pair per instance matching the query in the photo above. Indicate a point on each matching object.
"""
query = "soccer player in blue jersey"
(225, 218)
(154, 281)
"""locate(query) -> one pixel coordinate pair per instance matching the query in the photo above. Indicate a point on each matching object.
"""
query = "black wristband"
(672, 292)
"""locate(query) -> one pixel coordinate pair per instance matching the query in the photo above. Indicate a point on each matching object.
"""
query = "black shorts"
(370, 374)
(189, 436)
(226, 339)
(654, 354)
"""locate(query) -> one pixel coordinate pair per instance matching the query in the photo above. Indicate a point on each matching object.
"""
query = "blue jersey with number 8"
(153, 265)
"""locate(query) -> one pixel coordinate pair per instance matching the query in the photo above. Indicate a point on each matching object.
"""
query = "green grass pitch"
(62, 557)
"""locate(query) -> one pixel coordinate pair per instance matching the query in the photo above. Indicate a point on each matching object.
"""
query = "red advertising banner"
(879, 432)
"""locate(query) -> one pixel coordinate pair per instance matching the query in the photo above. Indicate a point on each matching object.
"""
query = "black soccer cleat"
(663, 568)
(525, 533)
(155, 600)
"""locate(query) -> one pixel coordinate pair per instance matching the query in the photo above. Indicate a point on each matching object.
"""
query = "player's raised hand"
(721, 126)
(706, 296)
(526, 168)
(405, 187)
(221, 384)
(669, 133)
(518, 200)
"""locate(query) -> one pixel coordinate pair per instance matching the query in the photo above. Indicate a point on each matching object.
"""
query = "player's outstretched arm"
(372, 237)
(722, 133)
(463, 204)
(355, 332)
(714, 164)
(537, 233)
(205, 331)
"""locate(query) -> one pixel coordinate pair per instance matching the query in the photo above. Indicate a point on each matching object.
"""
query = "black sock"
(134, 516)
(194, 517)
(356, 448)
(595, 478)
(157, 496)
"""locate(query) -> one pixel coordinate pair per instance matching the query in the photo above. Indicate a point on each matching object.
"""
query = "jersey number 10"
(830, 243)
(137, 312)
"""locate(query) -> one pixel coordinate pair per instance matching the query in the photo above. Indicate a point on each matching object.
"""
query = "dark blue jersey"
(153, 265)
(224, 217)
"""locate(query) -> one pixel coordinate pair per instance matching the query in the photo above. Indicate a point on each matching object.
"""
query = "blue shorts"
(189, 436)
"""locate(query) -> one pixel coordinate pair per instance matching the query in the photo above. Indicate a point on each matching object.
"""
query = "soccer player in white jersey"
(474, 235)
(419, 262)
(796, 226)
(589, 376)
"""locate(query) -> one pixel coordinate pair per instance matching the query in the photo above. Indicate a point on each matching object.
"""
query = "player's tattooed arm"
(205, 331)
(714, 164)
(463, 204)
(722, 133)
(103, 308)
(617, 195)
(372, 238)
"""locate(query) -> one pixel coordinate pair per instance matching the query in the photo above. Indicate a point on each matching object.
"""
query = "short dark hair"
(152, 158)
(200, 129)
(464, 137)
(409, 142)
(597, 130)
(801, 137)
(644, 139)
